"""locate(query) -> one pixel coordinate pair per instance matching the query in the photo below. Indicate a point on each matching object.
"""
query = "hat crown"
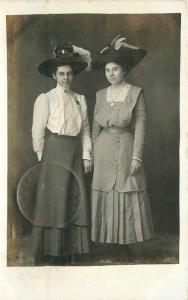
(66, 54)
(63, 51)
(120, 52)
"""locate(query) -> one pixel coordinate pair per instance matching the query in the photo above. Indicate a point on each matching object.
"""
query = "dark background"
(31, 39)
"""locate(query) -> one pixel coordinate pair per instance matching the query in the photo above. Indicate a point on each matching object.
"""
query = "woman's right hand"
(39, 156)
(88, 164)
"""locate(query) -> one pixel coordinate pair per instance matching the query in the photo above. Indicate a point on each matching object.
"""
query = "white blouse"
(63, 112)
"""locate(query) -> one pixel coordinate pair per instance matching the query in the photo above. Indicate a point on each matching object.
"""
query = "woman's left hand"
(88, 165)
(135, 166)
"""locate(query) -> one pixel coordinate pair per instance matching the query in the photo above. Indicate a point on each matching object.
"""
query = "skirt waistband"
(63, 135)
(116, 130)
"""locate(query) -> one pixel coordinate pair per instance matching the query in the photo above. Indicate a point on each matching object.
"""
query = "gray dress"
(120, 206)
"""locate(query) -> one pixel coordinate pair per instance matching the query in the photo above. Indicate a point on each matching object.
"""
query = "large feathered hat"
(78, 58)
(119, 51)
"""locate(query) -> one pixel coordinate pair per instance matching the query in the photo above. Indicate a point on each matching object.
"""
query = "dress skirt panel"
(58, 241)
(60, 216)
(61, 194)
(121, 218)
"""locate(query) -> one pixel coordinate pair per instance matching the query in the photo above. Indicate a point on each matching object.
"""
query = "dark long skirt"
(60, 215)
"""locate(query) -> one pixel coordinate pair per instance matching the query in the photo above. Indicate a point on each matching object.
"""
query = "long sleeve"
(40, 119)
(86, 138)
(139, 128)
(96, 128)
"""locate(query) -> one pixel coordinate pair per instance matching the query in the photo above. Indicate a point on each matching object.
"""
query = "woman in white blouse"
(60, 219)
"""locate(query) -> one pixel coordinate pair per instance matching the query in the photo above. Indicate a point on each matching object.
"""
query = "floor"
(162, 249)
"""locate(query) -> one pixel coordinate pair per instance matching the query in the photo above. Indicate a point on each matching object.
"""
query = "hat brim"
(30, 182)
(47, 67)
(127, 58)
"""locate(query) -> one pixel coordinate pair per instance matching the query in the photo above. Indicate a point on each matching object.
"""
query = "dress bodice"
(115, 113)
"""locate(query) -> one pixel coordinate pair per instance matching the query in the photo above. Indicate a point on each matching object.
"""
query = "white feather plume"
(85, 54)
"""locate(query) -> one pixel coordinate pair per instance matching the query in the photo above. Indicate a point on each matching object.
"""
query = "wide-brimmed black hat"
(63, 55)
(119, 51)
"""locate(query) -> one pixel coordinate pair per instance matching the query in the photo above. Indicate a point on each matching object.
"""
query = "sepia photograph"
(94, 152)
(93, 139)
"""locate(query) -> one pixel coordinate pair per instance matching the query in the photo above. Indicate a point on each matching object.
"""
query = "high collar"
(63, 90)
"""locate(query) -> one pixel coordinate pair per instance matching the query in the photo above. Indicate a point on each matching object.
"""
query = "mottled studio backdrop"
(30, 40)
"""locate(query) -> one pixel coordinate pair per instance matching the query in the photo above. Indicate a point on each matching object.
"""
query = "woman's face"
(114, 73)
(64, 75)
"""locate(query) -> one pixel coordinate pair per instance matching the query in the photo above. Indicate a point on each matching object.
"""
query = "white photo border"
(130, 282)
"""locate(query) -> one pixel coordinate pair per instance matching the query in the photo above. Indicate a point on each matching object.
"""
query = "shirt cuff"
(137, 159)
(39, 155)
(87, 155)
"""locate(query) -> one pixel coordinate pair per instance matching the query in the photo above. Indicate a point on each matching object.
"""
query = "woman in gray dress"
(59, 211)
(120, 207)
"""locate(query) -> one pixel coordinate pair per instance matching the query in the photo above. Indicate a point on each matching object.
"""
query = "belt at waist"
(116, 130)
(63, 135)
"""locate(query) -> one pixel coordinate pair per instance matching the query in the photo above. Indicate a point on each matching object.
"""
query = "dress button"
(111, 103)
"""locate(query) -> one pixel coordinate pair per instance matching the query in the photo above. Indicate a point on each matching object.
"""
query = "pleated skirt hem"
(121, 218)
